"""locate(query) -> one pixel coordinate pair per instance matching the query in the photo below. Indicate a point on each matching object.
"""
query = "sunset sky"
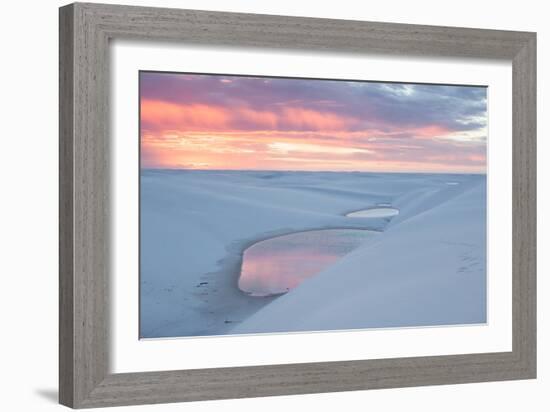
(253, 123)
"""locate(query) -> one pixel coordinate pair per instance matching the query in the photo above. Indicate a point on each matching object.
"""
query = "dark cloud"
(373, 105)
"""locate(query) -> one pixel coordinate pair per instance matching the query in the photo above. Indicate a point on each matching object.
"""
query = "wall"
(28, 207)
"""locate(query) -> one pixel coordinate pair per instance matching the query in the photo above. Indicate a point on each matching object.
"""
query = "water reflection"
(275, 265)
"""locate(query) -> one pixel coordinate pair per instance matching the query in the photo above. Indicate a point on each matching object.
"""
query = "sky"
(190, 121)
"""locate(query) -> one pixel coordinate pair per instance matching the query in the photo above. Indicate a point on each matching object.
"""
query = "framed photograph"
(256, 205)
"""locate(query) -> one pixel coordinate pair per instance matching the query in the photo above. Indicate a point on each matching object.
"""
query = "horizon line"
(307, 171)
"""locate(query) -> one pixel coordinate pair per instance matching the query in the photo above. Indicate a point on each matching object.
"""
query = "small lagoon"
(377, 212)
(276, 265)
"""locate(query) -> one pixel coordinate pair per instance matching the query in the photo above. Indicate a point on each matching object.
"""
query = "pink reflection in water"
(275, 265)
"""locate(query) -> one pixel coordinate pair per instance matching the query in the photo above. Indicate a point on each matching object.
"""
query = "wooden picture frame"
(85, 31)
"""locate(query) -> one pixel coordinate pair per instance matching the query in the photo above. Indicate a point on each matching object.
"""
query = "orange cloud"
(316, 120)
(263, 119)
(166, 115)
(429, 132)
(201, 136)
(162, 115)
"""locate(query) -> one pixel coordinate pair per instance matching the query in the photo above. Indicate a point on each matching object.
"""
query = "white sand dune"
(430, 270)
(195, 225)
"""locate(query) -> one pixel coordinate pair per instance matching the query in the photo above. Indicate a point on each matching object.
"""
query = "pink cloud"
(162, 116)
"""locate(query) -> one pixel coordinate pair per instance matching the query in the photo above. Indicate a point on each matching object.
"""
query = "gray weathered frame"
(85, 31)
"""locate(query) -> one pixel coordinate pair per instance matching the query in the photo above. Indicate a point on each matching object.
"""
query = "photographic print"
(279, 205)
